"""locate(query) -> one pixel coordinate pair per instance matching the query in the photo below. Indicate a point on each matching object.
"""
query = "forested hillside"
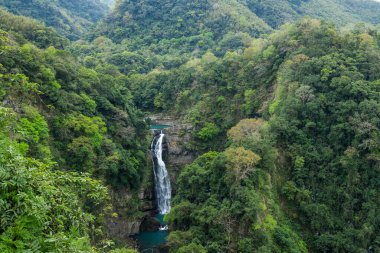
(305, 167)
(71, 18)
(64, 137)
(139, 36)
(282, 112)
(204, 25)
(341, 12)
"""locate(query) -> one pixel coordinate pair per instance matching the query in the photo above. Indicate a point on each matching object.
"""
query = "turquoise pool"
(151, 240)
(159, 127)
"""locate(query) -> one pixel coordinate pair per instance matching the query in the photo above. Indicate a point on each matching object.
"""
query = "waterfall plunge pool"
(151, 241)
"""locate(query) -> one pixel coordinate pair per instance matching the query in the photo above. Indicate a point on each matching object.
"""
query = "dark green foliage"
(223, 211)
(277, 12)
(66, 131)
(328, 128)
(31, 30)
(191, 28)
(138, 37)
(323, 120)
(43, 210)
(176, 24)
(69, 17)
(80, 108)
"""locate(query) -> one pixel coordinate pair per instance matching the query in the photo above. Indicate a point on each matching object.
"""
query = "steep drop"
(161, 176)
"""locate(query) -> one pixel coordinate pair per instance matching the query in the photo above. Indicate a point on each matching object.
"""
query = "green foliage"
(23, 29)
(276, 13)
(64, 136)
(44, 210)
(156, 34)
(70, 18)
(223, 215)
(192, 248)
(34, 131)
(78, 107)
(326, 94)
(318, 88)
(33, 128)
(208, 132)
(193, 25)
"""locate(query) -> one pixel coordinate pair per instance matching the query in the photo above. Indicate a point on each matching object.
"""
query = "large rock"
(150, 224)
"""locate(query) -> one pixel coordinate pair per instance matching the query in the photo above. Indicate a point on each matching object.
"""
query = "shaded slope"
(341, 12)
(69, 17)
(180, 24)
(201, 25)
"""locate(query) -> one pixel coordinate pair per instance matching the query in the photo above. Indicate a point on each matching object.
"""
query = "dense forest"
(284, 112)
(71, 18)
(64, 137)
(310, 155)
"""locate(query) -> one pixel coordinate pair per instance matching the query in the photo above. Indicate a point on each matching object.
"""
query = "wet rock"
(149, 206)
(150, 224)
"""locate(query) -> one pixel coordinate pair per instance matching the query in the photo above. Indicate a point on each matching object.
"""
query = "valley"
(189, 126)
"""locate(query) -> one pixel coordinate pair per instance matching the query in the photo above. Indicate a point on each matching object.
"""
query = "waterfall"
(161, 176)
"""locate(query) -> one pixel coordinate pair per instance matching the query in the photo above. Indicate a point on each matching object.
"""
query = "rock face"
(122, 229)
(178, 140)
(121, 225)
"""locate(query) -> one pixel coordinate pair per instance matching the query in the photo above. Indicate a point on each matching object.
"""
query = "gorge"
(205, 126)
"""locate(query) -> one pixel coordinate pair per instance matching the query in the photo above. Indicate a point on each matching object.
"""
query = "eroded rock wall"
(178, 141)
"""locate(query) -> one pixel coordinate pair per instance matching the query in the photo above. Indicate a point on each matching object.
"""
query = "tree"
(44, 210)
(246, 129)
(241, 162)
(208, 132)
(305, 93)
(192, 248)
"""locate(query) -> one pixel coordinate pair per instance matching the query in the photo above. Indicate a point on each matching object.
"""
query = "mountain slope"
(31, 30)
(179, 25)
(69, 17)
(301, 174)
(341, 12)
(203, 24)
(164, 34)
(66, 132)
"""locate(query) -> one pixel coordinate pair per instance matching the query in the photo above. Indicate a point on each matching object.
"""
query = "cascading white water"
(162, 180)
